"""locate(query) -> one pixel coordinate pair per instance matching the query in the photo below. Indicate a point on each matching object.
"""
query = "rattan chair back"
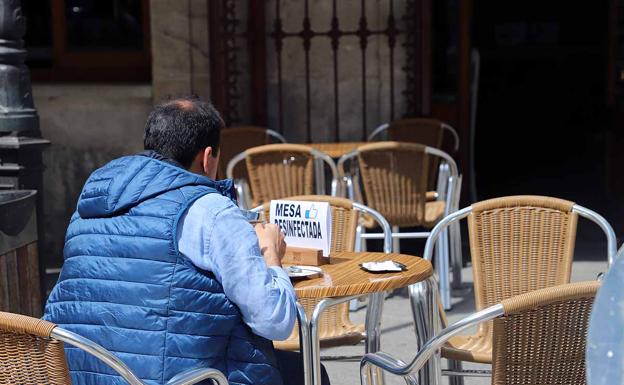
(335, 326)
(520, 244)
(279, 170)
(541, 338)
(28, 355)
(395, 179)
(427, 131)
(235, 140)
(417, 130)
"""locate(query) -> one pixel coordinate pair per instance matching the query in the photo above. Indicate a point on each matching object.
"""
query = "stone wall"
(181, 64)
(180, 58)
(88, 126)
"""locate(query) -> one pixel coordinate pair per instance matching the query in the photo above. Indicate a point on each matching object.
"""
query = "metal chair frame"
(449, 188)
(276, 135)
(320, 157)
(444, 126)
(453, 219)
(429, 352)
(188, 377)
(397, 367)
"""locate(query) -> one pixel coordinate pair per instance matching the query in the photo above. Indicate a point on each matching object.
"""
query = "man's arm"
(230, 249)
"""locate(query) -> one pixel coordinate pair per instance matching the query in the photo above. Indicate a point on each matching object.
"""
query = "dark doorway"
(542, 119)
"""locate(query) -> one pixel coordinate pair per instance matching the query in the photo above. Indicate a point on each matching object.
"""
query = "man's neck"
(155, 155)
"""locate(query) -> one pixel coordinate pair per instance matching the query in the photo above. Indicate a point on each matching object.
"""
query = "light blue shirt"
(215, 236)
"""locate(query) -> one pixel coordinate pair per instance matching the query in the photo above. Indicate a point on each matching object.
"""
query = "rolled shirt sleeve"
(215, 236)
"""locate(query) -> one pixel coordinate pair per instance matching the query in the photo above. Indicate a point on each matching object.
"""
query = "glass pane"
(605, 341)
(98, 25)
(38, 38)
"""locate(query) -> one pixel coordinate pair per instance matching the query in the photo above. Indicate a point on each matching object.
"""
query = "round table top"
(336, 150)
(343, 275)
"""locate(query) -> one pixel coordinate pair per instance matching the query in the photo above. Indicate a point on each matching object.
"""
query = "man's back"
(126, 286)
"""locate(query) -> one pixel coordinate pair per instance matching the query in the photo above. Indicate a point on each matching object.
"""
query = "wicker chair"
(518, 244)
(235, 140)
(395, 178)
(335, 327)
(539, 338)
(430, 132)
(281, 170)
(32, 352)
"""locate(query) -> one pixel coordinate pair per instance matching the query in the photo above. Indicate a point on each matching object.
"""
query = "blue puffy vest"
(125, 285)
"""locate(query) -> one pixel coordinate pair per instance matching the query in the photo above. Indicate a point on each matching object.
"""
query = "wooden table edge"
(312, 292)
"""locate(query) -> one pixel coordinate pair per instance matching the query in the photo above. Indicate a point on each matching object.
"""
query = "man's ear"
(210, 163)
(207, 160)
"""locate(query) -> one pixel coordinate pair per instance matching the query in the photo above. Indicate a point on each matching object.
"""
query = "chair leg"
(362, 245)
(373, 331)
(396, 242)
(359, 243)
(319, 176)
(456, 255)
(424, 303)
(358, 238)
(442, 267)
(456, 366)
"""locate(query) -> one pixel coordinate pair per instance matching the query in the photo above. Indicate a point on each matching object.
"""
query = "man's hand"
(272, 245)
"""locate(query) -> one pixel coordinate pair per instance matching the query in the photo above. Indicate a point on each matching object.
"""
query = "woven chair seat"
(471, 348)
(434, 211)
(343, 334)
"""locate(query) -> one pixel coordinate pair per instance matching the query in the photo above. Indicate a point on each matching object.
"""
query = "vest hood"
(125, 182)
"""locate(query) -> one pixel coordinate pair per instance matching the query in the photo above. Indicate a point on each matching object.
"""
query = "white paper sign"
(306, 224)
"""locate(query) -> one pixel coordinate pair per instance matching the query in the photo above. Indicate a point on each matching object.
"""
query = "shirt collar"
(155, 155)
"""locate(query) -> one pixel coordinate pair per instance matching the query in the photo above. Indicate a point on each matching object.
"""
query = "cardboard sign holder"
(303, 256)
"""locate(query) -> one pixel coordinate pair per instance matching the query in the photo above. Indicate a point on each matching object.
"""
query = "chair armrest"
(397, 367)
(193, 376)
(431, 196)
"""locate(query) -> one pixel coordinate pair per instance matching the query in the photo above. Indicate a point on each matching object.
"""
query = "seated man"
(162, 269)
